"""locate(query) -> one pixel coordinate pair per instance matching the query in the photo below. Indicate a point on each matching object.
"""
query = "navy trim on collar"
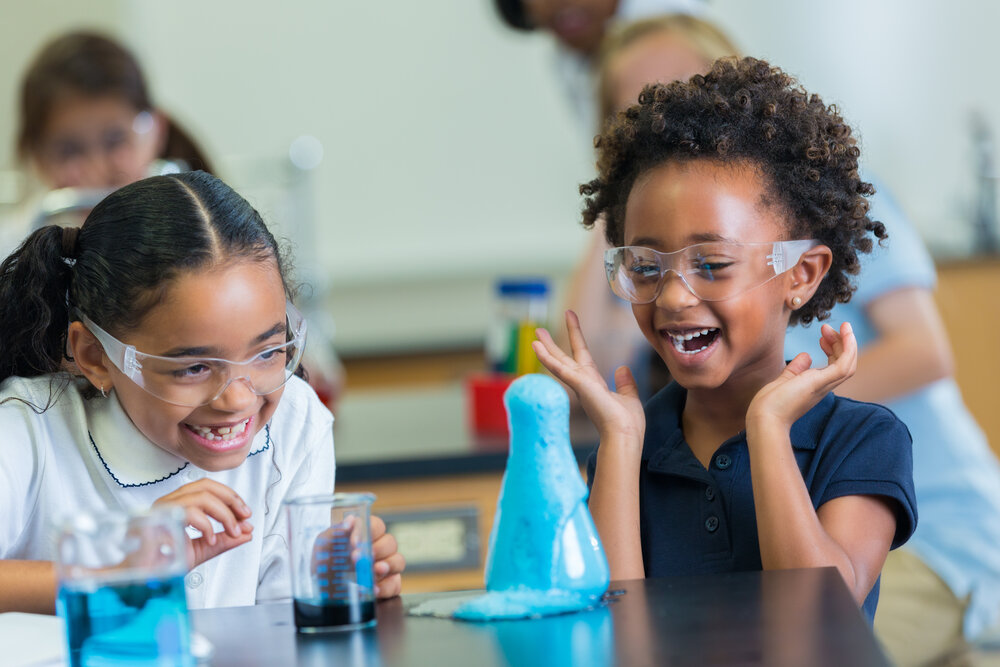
(118, 481)
(267, 440)
(267, 445)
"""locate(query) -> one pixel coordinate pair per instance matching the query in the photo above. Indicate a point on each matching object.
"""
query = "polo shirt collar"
(663, 420)
(129, 456)
(664, 448)
(663, 429)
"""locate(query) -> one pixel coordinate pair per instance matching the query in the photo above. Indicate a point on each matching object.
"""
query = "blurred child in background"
(86, 126)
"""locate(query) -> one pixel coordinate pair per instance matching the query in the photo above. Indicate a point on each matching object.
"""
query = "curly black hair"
(746, 111)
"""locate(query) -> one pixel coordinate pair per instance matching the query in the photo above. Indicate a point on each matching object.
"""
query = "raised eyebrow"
(212, 352)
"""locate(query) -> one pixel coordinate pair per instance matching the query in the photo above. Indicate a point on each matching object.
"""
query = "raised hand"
(207, 499)
(799, 387)
(613, 412)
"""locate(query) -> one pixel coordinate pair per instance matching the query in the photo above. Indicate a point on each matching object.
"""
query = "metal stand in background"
(70, 206)
(67, 207)
(282, 189)
(305, 154)
(986, 237)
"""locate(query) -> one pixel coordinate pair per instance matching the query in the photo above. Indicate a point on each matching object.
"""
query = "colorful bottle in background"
(522, 305)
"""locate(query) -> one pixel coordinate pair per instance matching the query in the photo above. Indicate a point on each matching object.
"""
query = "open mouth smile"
(694, 341)
(221, 433)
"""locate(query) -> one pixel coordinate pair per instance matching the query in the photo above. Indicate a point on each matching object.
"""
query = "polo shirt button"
(709, 493)
(723, 461)
(711, 523)
(194, 580)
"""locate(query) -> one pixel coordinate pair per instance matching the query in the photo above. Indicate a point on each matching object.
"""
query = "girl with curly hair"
(733, 206)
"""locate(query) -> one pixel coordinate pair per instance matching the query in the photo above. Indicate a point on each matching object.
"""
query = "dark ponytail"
(34, 282)
(128, 251)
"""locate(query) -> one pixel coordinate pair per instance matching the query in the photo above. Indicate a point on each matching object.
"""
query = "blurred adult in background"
(942, 589)
(655, 50)
(579, 26)
(87, 125)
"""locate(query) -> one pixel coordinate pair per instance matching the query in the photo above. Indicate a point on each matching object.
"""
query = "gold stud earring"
(796, 301)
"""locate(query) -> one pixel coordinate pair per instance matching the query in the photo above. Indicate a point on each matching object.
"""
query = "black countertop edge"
(433, 466)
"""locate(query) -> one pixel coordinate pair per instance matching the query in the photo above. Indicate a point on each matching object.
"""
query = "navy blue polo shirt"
(696, 521)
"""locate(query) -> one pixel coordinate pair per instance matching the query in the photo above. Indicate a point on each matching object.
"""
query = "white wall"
(448, 158)
(450, 154)
(907, 75)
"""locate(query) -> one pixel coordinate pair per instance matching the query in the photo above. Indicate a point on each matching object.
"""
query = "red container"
(484, 393)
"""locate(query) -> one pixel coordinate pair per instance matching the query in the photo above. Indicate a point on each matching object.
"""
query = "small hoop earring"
(796, 301)
(103, 395)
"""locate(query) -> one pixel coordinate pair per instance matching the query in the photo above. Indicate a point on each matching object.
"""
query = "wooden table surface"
(790, 617)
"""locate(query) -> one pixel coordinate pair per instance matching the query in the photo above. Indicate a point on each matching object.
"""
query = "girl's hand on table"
(614, 413)
(207, 499)
(389, 563)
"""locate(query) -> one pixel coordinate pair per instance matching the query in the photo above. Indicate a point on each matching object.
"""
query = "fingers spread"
(576, 340)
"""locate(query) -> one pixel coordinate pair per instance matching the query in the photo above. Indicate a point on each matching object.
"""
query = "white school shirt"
(87, 454)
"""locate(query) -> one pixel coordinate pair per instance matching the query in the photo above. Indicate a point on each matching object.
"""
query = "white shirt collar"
(129, 456)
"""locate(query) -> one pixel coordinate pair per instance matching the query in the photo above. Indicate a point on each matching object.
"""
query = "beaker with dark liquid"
(333, 581)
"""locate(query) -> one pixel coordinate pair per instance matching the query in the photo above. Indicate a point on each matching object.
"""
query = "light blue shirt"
(956, 476)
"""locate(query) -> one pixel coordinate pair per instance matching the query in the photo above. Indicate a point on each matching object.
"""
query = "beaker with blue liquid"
(121, 588)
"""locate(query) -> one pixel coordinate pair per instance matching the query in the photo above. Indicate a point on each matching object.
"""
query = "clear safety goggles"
(711, 271)
(196, 381)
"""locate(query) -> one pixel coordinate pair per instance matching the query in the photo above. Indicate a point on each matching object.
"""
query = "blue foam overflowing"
(545, 556)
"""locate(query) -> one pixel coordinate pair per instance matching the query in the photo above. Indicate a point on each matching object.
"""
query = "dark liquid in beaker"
(311, 616)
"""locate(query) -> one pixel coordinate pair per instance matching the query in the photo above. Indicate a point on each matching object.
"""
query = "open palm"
(800, 387)
(613, 412)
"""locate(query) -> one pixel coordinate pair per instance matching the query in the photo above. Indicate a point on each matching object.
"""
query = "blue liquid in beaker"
(112, 623)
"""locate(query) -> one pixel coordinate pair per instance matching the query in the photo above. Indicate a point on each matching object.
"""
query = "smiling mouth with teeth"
(223, 433)
(693, 342)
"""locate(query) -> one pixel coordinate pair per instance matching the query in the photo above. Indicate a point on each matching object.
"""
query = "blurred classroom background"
(417, 153)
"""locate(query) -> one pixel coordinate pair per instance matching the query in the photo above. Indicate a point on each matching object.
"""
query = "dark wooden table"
(800, 618)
